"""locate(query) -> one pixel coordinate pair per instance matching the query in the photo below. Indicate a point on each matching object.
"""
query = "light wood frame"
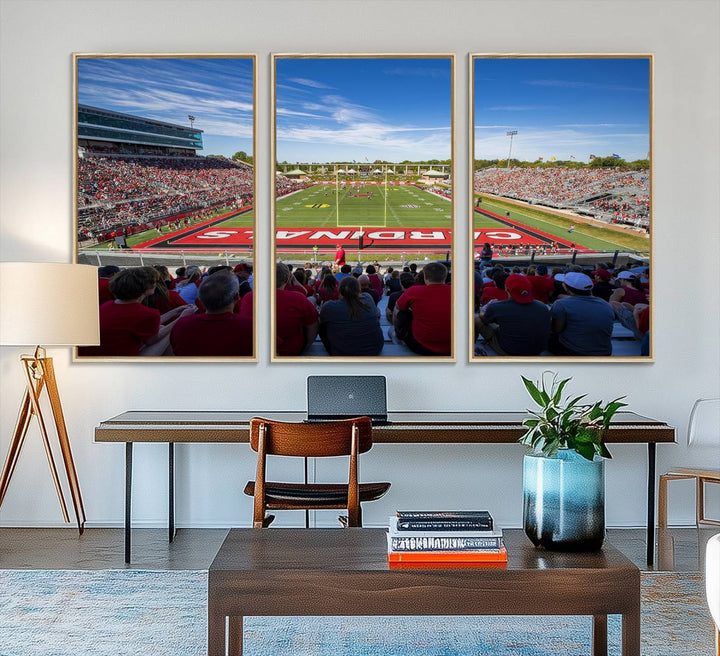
(257, 286)
(274, 357)
(472, 58)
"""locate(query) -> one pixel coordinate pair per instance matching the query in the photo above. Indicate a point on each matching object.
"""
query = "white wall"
(38, 38)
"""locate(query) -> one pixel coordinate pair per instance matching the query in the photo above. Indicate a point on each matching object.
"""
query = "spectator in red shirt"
(296, 318)
(426, 325)
(630, 291)
(542, 284)
(340, 255)
(105, 274)
(218, 331)
(127, 327)
(495, 291)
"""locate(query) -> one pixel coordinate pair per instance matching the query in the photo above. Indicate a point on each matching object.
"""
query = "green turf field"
(587, 235)
(398, 207)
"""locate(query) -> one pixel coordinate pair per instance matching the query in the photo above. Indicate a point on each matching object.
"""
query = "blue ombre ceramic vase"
(564, 501)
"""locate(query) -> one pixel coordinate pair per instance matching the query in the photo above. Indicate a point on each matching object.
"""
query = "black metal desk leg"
(651, 505)
(128, 497)
(171, 491)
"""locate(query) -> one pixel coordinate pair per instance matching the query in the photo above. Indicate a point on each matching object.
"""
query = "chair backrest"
(312, 439)
(704, 423)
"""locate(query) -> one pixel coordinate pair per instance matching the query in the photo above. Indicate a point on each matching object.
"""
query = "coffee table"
(275, 572)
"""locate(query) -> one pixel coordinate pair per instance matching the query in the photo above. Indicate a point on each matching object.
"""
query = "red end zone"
(378, 239)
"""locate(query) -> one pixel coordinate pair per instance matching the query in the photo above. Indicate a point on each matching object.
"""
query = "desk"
(208, 426)
(278, 572)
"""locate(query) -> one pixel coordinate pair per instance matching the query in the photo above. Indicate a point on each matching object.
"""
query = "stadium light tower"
(192, 120)
(511, 134)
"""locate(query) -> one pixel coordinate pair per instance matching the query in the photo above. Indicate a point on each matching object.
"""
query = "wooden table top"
(213, 426)
(365, 549)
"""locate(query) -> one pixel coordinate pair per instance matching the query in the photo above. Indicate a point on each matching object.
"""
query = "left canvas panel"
(164, 202)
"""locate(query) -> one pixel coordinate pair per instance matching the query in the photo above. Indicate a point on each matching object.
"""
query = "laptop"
(330, 398)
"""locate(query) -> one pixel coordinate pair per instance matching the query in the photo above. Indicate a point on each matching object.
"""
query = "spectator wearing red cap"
(581, 323)
(517, 326)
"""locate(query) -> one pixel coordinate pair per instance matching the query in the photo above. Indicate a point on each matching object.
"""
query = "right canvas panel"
(561, 165)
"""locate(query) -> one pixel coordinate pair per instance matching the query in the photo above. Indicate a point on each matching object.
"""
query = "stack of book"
(445, 538)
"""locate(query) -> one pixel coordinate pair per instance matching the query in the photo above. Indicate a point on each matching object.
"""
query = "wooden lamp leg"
(64, 440)
(39, 373)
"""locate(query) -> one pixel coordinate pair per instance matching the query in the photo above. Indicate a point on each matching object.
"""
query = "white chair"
(712, 584)
(703, 431)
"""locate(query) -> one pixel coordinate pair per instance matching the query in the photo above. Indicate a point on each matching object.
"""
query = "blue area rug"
(131, 612)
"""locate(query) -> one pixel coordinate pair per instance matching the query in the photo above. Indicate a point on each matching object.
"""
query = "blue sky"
(345, 109)
(218, 92)
(562, 107)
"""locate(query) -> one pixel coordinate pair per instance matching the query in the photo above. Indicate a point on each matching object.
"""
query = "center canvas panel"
(363, 213)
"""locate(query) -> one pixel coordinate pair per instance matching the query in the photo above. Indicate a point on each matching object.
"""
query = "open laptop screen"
(341, 397)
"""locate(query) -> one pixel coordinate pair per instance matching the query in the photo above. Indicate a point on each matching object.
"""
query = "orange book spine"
(488, 556)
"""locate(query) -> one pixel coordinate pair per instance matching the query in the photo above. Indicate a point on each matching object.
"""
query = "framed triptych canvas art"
(362, 212)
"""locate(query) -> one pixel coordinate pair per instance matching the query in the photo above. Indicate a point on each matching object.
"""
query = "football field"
(544, 225)
(368, 206)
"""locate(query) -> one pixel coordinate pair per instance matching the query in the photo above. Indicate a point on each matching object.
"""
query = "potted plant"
(564, 468)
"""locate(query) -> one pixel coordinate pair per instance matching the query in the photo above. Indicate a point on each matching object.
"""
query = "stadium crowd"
(285, 185)
(116, 191)
(615, 195)
(564, 311)
(145, 311)
(340, 305)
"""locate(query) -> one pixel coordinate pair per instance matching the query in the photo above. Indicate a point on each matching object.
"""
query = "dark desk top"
(212, 426)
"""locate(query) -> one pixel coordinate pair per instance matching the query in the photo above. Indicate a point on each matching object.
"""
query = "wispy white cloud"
(305, 82)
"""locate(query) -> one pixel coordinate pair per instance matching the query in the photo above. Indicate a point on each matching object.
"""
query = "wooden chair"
(349, 437)
(703, 430)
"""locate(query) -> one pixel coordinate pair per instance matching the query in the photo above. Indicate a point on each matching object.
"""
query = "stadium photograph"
(561, 229)
(164, 201)
(363, 212)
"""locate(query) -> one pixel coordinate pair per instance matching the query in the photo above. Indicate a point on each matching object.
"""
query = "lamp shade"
(48, 304)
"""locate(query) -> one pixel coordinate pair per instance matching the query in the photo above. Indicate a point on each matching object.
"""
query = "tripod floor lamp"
(53, 305)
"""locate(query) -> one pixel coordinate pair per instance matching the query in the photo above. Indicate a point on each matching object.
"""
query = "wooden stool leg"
(699, 501)
(662, 501)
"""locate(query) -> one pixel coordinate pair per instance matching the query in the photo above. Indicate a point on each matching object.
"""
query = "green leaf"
(539, 397)
(586, 451)
(558, 392)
